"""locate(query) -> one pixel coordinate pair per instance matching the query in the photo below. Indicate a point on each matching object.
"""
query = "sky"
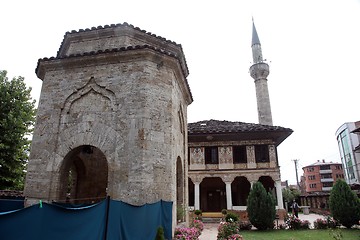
(311, 46)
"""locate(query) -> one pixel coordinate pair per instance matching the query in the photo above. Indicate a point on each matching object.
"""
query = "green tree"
(344, 204)
(290, 194)
(261, 207)
(160, 234)
(17, 116)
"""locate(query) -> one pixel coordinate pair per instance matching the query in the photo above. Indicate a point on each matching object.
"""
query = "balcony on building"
(326, 189)
(326, 180)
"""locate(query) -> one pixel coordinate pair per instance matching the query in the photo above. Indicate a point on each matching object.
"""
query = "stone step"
(211, 220)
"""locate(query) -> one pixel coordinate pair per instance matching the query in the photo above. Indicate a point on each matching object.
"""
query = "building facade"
(321, 176)
(226, 158)
(348, 140)
(112, 120)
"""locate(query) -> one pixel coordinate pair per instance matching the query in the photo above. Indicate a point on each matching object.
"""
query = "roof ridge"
(125, 24)
(238, 122)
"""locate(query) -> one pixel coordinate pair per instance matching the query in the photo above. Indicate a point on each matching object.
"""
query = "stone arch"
(267, 182)
(83, 175)
(98, 135)
(269, 185)
(87, 133)
(212, 194)
(181, 121)
(90, 86)
(240, 191)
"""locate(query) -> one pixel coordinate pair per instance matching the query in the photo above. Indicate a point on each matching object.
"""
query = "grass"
(347, 234)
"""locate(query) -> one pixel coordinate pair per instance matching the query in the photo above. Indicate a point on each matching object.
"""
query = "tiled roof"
(125, 24)
(216, 126)
(121, 49)
(181, 59)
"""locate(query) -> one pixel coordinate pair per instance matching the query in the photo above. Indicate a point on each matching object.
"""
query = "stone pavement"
(210, 229)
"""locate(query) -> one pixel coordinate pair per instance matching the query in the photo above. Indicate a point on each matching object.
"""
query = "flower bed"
(329, 222)
(191, 233)
(295, 223)
(187, 233)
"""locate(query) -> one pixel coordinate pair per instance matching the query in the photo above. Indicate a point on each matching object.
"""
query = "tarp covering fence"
(108, 220)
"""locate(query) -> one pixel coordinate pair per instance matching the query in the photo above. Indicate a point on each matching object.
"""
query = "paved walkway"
(210, 229)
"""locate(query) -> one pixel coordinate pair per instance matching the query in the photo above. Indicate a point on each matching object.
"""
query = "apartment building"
(321, 176)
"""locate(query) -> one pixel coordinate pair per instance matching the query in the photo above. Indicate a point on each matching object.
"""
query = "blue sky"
(312, 48)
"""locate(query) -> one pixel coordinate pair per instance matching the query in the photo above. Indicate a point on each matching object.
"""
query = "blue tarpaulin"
(108, 220)
(7, 205)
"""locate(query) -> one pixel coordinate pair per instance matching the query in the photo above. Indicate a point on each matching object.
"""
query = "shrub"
(344, 204)
(160, 234)
(282, 226)
(197, 224)
(305, 224)
(245, 225)
(227, 229)
(295, 223)
(187, 233)
(320, 224)
(261, 207)
(197, 212)
(180, 213)
(231, 217)
(329, 222)
(224, 211)
(234, 237)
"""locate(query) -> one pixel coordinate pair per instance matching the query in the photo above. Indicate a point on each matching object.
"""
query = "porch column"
(197, 196)
(228, 196)
(279, 194)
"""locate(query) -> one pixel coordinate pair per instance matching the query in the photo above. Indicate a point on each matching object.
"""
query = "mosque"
(226, 158)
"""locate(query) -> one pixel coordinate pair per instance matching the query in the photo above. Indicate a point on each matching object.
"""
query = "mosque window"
(211, 155)
(239, 154)
(262, 153)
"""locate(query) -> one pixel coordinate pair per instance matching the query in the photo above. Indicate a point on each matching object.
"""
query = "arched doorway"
(240, 191)
(212, 194)
(83, 176)
(268, 184)
(191, 187)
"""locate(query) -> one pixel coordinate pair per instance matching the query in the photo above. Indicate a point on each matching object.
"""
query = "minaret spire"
(259, 72)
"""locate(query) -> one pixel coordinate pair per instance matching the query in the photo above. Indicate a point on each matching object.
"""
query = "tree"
(160, 234)
(290, 194)
(17, 116)
(344, 204)
(261, 207)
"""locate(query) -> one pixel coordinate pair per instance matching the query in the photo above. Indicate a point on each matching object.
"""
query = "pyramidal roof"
(255, 37)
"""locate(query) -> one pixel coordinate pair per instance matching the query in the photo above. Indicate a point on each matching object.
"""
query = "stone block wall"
(130, 105)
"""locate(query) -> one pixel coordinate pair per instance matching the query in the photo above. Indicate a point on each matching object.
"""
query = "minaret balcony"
(259, 70)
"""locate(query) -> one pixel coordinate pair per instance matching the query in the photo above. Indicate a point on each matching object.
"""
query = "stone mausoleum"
(112, 120)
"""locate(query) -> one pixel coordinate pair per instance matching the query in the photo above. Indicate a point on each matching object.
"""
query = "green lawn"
(347, 234)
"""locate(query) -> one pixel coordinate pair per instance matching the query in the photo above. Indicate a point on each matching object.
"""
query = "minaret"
(259, 72)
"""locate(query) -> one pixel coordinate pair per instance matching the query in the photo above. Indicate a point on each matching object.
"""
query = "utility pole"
(296, 167)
